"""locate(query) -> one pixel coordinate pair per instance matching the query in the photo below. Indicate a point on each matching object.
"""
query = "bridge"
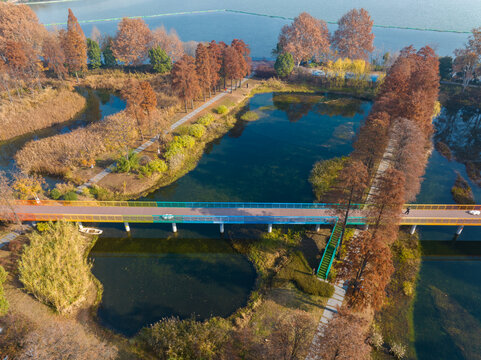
(235, 213)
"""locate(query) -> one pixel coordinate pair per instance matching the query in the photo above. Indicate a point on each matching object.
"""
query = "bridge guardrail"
(251, 205)
(176, 204)
(440, 221)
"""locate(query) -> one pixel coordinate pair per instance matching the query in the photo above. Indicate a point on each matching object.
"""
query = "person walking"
(407, 211)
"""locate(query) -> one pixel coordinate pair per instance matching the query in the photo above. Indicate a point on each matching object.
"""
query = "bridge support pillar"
(318, 227)
(269, 228)
(459, 230)
(127, 226)
(413, 229)
(174, 227)
(222, 228)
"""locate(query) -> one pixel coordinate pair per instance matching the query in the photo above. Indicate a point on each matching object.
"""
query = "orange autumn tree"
(169, 42)
(353, 180)
(244, 58)
(74, 45)
(132, 41)
(354, 38)
(368, 267)
(149, 101)
(204, 68)
(306, 38)
(216, 63)
(185, 81)
(232, 65)
(54, 55)
(21, 41)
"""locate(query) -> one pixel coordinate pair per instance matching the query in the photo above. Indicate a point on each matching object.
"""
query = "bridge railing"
(442, 207)
(199, 219)
(246, 205)
(176, 204)
(441, 221)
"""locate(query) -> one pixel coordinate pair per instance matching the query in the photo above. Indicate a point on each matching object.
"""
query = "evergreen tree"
(159, 60)
(284, 64)
(93, 53)
(108, 55)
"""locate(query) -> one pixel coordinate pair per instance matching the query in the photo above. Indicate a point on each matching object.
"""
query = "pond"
(155, 274)
(447, 316)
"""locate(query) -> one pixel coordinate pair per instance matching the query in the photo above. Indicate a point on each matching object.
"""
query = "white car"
(167, 217)
(474, 212)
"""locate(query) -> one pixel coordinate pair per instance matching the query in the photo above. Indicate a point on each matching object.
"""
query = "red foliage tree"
(384, 212)
(306, 38)
(232, 64)
(353, 180)
(53, 55)
(215, 52)
(354, 38)
(169, 42)
(244, 51)
(185, 81)
(345, 338)
(132, 42)
(408, 155)
(74, 45)
(203, 67)
(368, 269)
(372, 138)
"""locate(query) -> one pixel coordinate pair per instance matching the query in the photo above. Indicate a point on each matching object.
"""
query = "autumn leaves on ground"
(161, 79)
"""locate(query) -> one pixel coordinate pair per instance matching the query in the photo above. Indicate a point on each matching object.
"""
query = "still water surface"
(261, 32)
(156, 274)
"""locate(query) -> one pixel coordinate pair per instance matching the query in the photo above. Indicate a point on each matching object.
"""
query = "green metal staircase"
(330, 252)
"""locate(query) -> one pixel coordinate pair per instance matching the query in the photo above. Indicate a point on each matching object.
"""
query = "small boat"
(89, 230)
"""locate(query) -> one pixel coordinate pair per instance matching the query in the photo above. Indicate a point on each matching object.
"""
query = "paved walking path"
(339, 288)
(330, 309)
(189, 116)
(9, 237)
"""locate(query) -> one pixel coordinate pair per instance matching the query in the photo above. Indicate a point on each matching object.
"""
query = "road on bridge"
(415, 217)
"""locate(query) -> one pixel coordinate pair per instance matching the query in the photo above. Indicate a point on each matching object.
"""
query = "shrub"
(221, 110)
(145, 171)
(126, 164)
(462, 192)
(70, 196)
(250, 116)
(43, 226)
(158, 166)
(376, 338)
(310, 284)
(173, 338)
(4, 305)
(197, 130)
(206, 120)
(54, 268)
(324, 174)
(408, 288)
(398, 350)
(186, 141)
(100, 193)
(55, 194)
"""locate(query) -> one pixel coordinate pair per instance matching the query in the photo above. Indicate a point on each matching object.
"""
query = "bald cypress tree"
(74, 45)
